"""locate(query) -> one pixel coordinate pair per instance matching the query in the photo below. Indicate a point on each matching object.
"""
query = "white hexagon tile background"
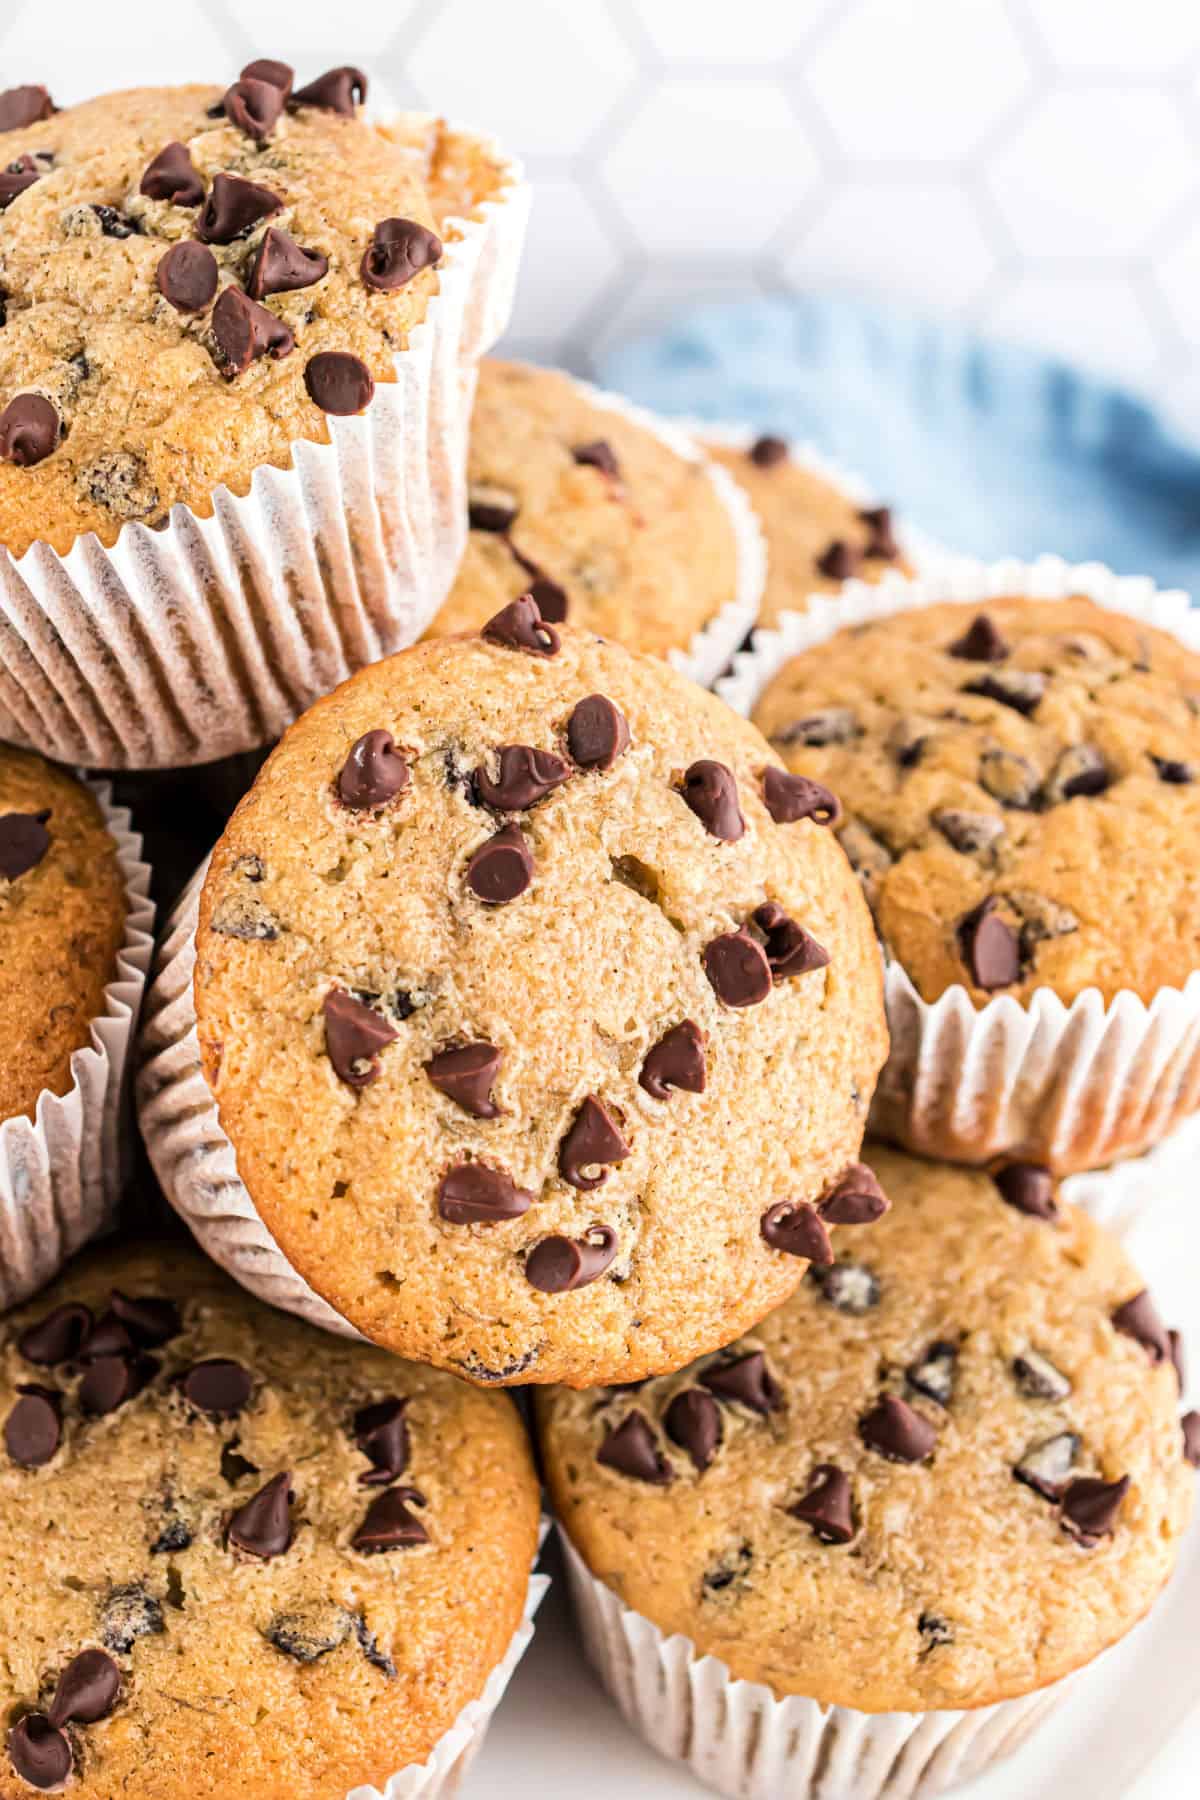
(1032, 166)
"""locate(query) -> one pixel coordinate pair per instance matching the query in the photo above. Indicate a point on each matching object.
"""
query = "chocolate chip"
(1018, 688)
(29, 430)
(1190, 1426)
(848, 1287)
(354, 1035)
(37, 1750)
(856, 1198)
(520, 626)
(307, 1636)
(894, 1430)
(693, 1421)
(21, 106)
(1046, 1466)
(676, 1061)
(87, 1689)
(768, 452)
(33, 1429)
(593, 1141)
(827, 1505)
(559, 1265)
(490, 508)
(525, 776)
(730, 1570)
(1037, 1378)
(1078, 771)
(471, 1193)
(710, 790)
(338, 90)
(989, 947)
(1009, 778)
(789, 948)
(1172, 771)
(112, 1381)
(265, 68)
(56, 1338)
(882, 542)
(233, 206)
(631, 1448)
(502, 867)
(381, 1433)
(839, 560)
(791, 797)
(243, 331)
(933, 1374)
(969, 831)
(234, 1466)
(280, 266)
(598, 455)
(173, 176)
(748, 1381)
(187, 276)
(129, 1613)
(16, 178)
(935, 1631)
(378, 1658)
(263, 1526)
(597, 733)
(832, 725)
(981, 642)
(114, 224)
(1090, 1507)
(338, 383)
(550, 597)
(466, 1074)
(389, 1525)
(398, 251)
(1030, 1188)
(1138, 1318)
(797, 1229)
(737, 968)
(373, 773)
(109, 1336)
(254, 107)
(218, 1387)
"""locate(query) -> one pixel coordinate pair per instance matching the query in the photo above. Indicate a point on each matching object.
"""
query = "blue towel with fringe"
(993, 449)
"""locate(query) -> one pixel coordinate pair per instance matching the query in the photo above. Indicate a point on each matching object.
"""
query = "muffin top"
(62, 921)
(1020, 787)
(947, 1472)
(817, 536)
(191, 283)
(231, 1542)
(535, 938)
(615, 530)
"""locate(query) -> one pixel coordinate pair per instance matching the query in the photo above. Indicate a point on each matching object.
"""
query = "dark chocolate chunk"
(747, 1380)
(848, 1286)
(243, 331)
(791, 797)
(738, 969)
(1046, 1466)
(1030, 1188)
(855, 1198)
(597, 733)
(263, 1526)
(981, 642)
(989, 946)
(373, 773)
(520, 626)
(173, 176)
(33, 1429)
(827, 1505)
(693, 1421)
(894, 1430)
(1090, 1507)
(710, 790)
(839, 560)
(280, 266)
(798, 1230)
(39, 1751)
(631, 1448)
(1037, 1378)
(398, 251)
(218, 1387)
(88, 1689)
(502, 867)
(129, 1613)
(789, 948)
(593, 1141)
(933, 1373)
(1138, 1318)
(524, 777)
(29, 431)
(676, 1061)
(466, 1074)
(338, 90)
(233, 206)
(598, 455)
(559, 1265)
(21, 106)
(57, 1337)
(254, 107)
(768, 452)
(389, 1525)
(381, 1433)
(354, 1035)
(471, 1193)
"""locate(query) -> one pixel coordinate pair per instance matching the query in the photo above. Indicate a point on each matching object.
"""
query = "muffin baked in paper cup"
(61, 1172)
(207, 637)
(742, 1740)
(1076, 1086)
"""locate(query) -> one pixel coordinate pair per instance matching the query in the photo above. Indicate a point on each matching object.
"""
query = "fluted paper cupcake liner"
(62, 1171)
(742, 1740)
(1075, 1086)
(209, 636)
(1131, 1193)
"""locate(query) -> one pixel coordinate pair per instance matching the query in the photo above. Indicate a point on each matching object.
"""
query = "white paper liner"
(1130, 1193)
(1078, 1086)
(740, 1739)
(209, 636)
(61, 1173)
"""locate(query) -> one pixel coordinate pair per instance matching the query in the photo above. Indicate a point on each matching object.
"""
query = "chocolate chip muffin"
(817, 536)
(62, 922)
(608, 524)
(192, 280)
(1021, 791)
(946, 1473)
(229, 1544)
(573, 990)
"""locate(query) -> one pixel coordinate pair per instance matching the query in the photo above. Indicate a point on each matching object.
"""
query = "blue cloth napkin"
(993, 449)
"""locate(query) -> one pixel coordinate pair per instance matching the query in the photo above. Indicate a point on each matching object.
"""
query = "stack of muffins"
(522, 1017)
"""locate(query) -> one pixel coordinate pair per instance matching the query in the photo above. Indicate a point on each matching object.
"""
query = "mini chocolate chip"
(398, 251)
(265, 68)
(1190, 1426)
(112, 1381)
(243, 331)
(490, 508)
(593, 1141)
(280, 266)
(1138, 1318)
(737, 968)
(789, 948)
(33, 1429)
(1030, 1188)
(525, 776)
(21, 106)
(520, 626)
(981, 642)
(87, 1689)
(848, 1287)
(894, 1430)
(598, 455)
(114, 224)
(389, 1525)
(1018, 688)
(233, 206)
(16, 178)
(597, 733)
(466, 1074)
(1037, 1378)
(471, 1193)
(631, 1448)
(855, 1198)
(827, 1505)
(218, 1387)
(38, 1750)
(559, 1265)
(768, 452)
(373, 773)
(839, 560)
(338, 383)
(502, 867)
(1078, 771)
(1172, 771)
(933, 1374)
(1090, 1507)
(797, 1229)
(263, 1526)
(935, 1631)
(57, 1337)
(693, 1421)
(989, 946)
(748, 1381)
(676, 1061)
(968, 831)
(791, 797)
(254, 107)
(882, 541)
(173, 176)
(129, 1613)
(381, 1433)
(710, 790)
(832, 725)
(29, 430)
(187, 276)
(337, 90)
(354, 1035)
(1046, 1466)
